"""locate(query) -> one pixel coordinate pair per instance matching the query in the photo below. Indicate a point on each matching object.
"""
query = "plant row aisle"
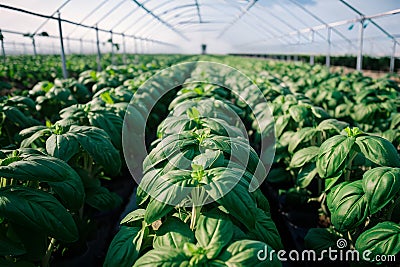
(63, 177)
(195, 208)
(337, 168)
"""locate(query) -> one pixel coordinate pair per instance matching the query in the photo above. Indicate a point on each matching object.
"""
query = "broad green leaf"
(168, 147)
(37, 210)
(380, 185)
(168, 191)
(125, 247)
(332, 124)
(279, 176)
(331, 182)
(173, 233)
(226, 189)
(34, 133)
(382, 239)
(102, 199)
(97, 143)
(266, 230)
(247, 252)
(63, 146)
(280, 124)
(214, 232)
(394, 124)
(304, 156)
(306, 174)
(167, 257)
(303, 135)
(299, 112)
(209, 159)
(59, 175)
(319, 239)
(378, 150)
(110, 123)
(348, 206)
(134, 218)
(332, 154)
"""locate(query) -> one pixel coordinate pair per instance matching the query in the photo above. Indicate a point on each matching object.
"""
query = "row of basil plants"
(52, 175)
(195, 204)
(357, 174)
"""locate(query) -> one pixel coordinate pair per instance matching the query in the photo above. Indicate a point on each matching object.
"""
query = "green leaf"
(380, 185)
(382, 239)
(173, 233)
(110, 123)
(228, 191)
(378, 150)
(63, 146)
(38, 210)
(102, 199)
(332, 124)
(306, 175)
(193, 114)
(214, 232)
(97, 143)
(125, 247)
(299, 112)
(245, 253)
(279, 176)
(209, 159)
(167, 257)
(319, 239)
(59, 175)
(348, 206)
(304, 156)
(134, 218)
(266, 230)
(280, 124)
(170, 189)
(332, 154)
(303, 135)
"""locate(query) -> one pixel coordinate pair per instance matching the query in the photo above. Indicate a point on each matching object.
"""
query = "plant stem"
(349, 165)
(193, 218)
(46, 258)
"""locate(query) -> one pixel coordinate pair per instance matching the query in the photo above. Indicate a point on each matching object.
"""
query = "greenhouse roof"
(241, 26)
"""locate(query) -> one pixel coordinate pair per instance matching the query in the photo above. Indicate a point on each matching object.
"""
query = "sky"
(267, 27)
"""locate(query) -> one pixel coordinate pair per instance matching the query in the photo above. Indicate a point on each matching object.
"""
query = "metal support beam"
(98, 50)
(34, 46)
(112, 48)
(161, 20)
(328, 54)
(2, 47)
(360, 46)
(311, 59)
(238, 17)
(46, 20)
(81, 46)
(123, 49)
(392, 57)
(319, 19)
(64, 65)
(198, 10)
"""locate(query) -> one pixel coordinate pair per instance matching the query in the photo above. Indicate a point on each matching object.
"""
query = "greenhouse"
(199, 133)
